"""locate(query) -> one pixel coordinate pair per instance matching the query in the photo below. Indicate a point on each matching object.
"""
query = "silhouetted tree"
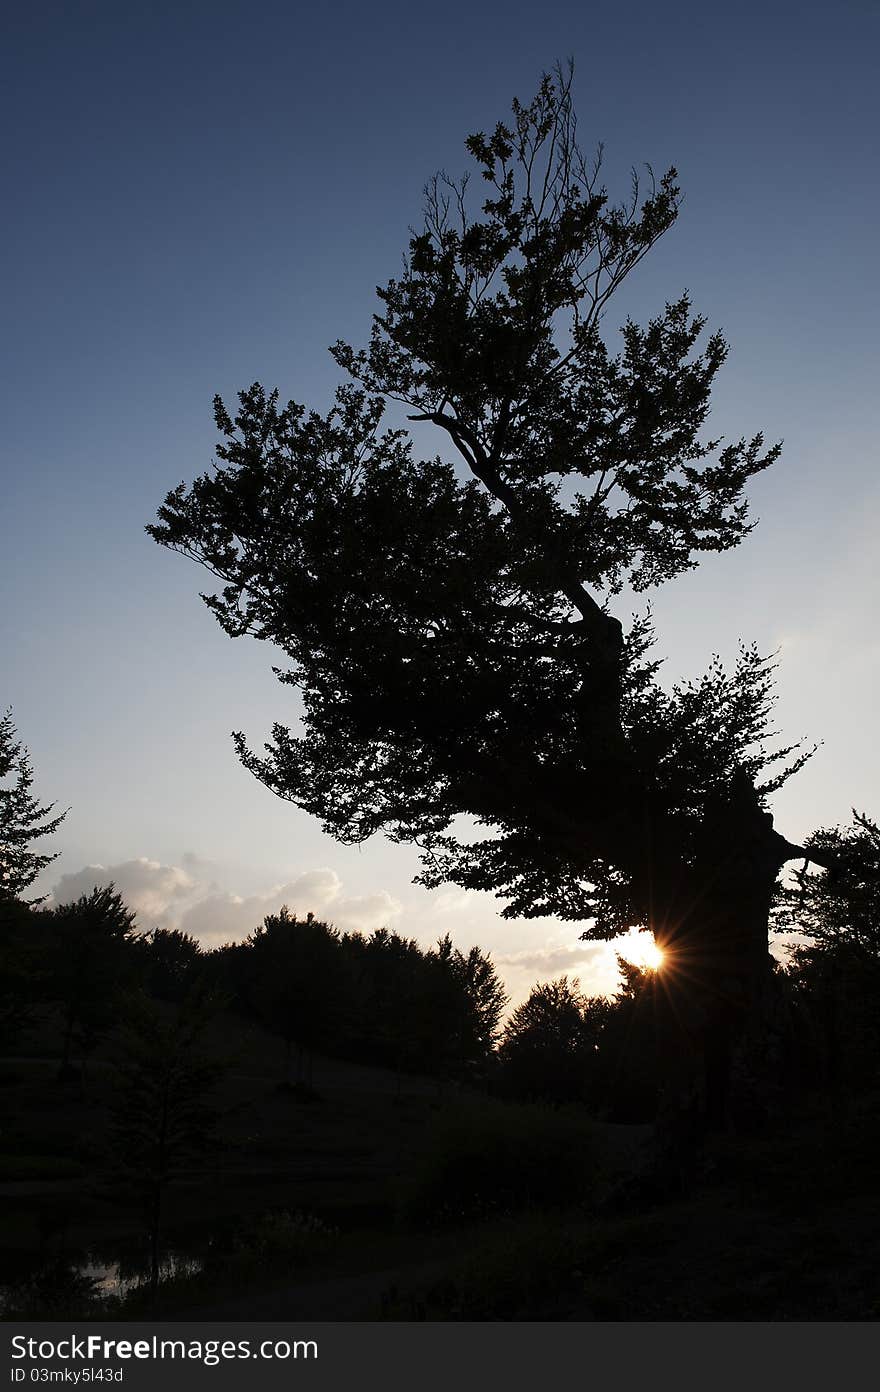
(548, 1048)
(225, 970)
(171, 960)
(475, 1003)
(633, 1078)
(833, 974)
(24, 964)
(297, 985)
(163, 1116)
(93, 955)
(391, 1024)
(839, 905)
(451, 636)
(22, 819)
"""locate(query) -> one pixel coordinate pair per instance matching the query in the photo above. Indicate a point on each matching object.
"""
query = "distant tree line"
(378, 998)
(382, 998)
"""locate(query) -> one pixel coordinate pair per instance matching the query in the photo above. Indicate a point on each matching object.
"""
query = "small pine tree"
(163, 1121)
(22, 819)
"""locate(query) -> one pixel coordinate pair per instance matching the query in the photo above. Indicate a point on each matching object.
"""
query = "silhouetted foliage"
(296, 978)
(163, 1118)
(224, 969)
(486, 1159)
(451, 636)
(475, 1000)
(631, 1078)
(833, 974)
(24, 964)
(93, 958)
(839, 905)
(22, 819)
(171, 960)
(434, 1011)
(549, 1045)
(390, 1026)
(562, 1046)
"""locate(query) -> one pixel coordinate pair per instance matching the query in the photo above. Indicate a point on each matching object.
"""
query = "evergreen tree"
(22, 819)
(163, 1116)
(547, 1048)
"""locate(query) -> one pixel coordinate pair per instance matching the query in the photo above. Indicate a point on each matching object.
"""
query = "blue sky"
(199, 196)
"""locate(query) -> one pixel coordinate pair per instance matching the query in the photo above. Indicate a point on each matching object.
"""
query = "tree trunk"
(155, 1227)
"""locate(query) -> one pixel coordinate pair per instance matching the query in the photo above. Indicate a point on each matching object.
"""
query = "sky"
(200, 196)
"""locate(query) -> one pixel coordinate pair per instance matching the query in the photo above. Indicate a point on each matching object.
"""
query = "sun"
(652, 956)
(640, 949)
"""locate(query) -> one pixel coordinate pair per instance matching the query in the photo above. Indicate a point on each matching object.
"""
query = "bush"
(277, 1240)
(58, 1290)
(482, 1159)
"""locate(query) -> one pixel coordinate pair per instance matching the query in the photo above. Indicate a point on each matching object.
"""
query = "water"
(118, 1279)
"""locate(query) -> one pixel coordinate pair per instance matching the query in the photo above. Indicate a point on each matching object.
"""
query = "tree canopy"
(447, 619)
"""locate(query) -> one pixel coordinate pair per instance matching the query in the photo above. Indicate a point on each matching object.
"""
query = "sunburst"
(641, 950)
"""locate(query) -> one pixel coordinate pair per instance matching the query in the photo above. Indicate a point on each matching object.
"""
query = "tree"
(547, 1050)
(22, 819)
(395, 1020)
(839, 906)
(833, 974)
(24, 965)
(448, 624)
(476, 1003)
(163, 1119)
(92, 953)
(297, 985)
(171, 961)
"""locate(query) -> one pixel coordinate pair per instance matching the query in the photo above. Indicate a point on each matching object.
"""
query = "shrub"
(487, 1158)
(279, 1240)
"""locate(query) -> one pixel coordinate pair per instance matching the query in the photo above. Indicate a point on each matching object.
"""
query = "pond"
(67, 1286)
(117, 1279)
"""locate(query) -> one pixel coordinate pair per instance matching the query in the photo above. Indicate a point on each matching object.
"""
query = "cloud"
(170, 896)
(366, 913)
(452, 901)
(153, 890)
(230, 917)
(549, 961)
(593, 964)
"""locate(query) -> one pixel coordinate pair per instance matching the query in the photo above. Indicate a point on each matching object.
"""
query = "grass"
(25, 1167)
(392, 1198)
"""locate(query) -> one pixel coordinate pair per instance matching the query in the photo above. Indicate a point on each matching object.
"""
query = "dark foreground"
(382, 1197)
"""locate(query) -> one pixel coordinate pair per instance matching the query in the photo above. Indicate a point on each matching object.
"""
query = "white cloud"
(169, 896)
(552, 961)
(452, 901)
(366, 913)
(153, 890)
(593, 964)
